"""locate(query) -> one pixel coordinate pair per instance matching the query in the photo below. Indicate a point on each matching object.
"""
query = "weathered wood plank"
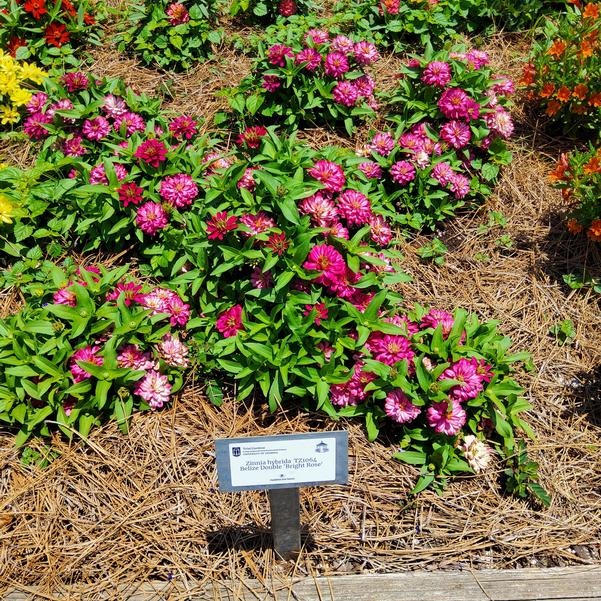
(554, 584)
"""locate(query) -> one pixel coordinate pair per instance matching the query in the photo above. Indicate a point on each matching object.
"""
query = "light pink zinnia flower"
(460, 185)
(500, 122)
(343, 44)
(399, 408)
(446, 417)
(354, 207)
(154, 388)
(316, 36)
(132, 357)
(309, 57)
(402, 172)
(114, 106)
(456, 133)
(366, 53)
(88, 353)
(96, 129)
(229, 323)
(173, 351)
(345, 93)
(329, 174)
(371, 170)
(151, 218)
(380, 231)
(465, 372)
(257, 224)
(443, 172)
(131, 122)
(178, 190)
(321, 208)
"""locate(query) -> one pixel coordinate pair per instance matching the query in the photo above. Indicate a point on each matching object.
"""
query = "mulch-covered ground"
(145, 506)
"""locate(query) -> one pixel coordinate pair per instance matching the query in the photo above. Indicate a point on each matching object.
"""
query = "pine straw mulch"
(125, 509)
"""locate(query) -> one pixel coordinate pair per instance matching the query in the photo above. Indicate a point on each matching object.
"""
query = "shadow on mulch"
(586, 392)
(249, 538)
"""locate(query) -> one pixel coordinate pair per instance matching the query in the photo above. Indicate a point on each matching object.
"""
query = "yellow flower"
(8, 114)
(19, 96)
(8, 82)
(6, 209)
(32, 73)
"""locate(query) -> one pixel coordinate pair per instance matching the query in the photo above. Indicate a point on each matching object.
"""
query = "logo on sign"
(236, 451)
(321, 447)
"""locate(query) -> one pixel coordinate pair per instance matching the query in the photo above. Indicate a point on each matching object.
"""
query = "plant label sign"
(286, 461)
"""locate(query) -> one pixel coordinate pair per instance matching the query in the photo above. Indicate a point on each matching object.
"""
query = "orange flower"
(593, 166)
(559, 173)
(528, 75)
(595, 99)
(579, 109)
(553, 108)
(573, 226)
(591, 11)
(586, 49)
(580, 91)
(563, 94)
(557, 48)
(594, 230)
(547, 90)
(566, 193)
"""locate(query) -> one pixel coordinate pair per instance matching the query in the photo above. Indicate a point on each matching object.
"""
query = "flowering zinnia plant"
(171, 34)
(315, 78)
(268, 10)
(103, 346)
(452, 123)
(51, 32)
(578, 176)
(564, 72)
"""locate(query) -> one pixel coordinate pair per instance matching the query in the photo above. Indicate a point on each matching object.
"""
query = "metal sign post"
(281, 465)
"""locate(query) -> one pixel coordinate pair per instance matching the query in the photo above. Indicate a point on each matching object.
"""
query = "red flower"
(251, 136)
(56, 34)
(130, 193)
(37, 8)
(14, 44)
(68, 7)
(89, 19)
(278, 243)
(219, 225)
(152, 152)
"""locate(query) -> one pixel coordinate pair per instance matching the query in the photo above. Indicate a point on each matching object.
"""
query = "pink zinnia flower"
(382, 143)
(260, 279)
(154, 388)
(471, 384)
(321, 208)
(353, 391)
(460, 185)
(130, 292)
(354, 207)
(152, 152)
(483, 369)
(37, 103)
(337, 230)
(503, 85)
(327, 260)
(34, 126)
(277, 54)
(435, 318)
(454, 103)
(215, 161)
(177, 13)
(179, 311)
(220, 224)
(247, 181)
(456, 133)
(131, 123)
(309, 57)
(114, 106)
(96, 129)
(443, 172)
(98, 174)
(477, 58)
(345, 93)
(73, 147)
(75, 81)
(317, 36)
(130, 193)
(366, 53)
(399, 408)
(257, 224)
(390, 349)
(173, 351)
(319, 311)
(65, 296)
(151, 218)
(229, 323)
(365, 85)
(331, 175)
(380, 231)
(336, 64)
(183, 127)
(343, 44)
(251, 137)
(500, 122)
(437, 73)
(371, 170)
(271, 83)
(132, 357)
(178, 190)
(446, 417)
(402, 172)
(88, 353)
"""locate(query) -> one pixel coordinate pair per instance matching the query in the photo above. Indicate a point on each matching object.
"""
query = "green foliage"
(434, 251)
(564, 332)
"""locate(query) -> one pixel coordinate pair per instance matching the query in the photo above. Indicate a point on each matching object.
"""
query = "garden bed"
(126, 509)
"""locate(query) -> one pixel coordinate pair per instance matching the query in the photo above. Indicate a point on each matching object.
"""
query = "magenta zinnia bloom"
(229, 323)
(343, 44)
(471, 384)
(88, 353)
(454, 103)
(345, 93)
(130, 193)
(34, 126)
(98, 174)
(435, 318)
(354, 207)
(327, 260)
(96, 129)
(477, 58)
(271, 83)
(177, 13)
(390, 349)
(443, 172)
(399, 408)
(437, 73)
(402, 172)
(366, 53)
(503, 85)
(320, 207)
(154, 388)
(73, 147)
(179, 311)
(460, 185)
(131, 122)
(65, 296)
(277, 54)
(446, 417)
(336, 64)
(456, 133)
(382, 143)
(75, 81)
(129, 290)
(380, 231)
(251, 137)
(220, 224)
(371, 170)
(114, 106)
(260, 279)
(483, 369)
(178, 190)
(331, 175)
(37, 103)
(353, 391)
(153, 152)
(173, 351)
(319, 311)
(316, 36)
(183, 127)
(365, 86)
(309, 57)
(151, 218)
(132, 357)
(257, 224)
(500, 122)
